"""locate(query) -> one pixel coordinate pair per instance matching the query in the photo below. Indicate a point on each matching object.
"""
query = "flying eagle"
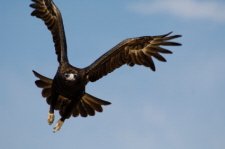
(66, 91)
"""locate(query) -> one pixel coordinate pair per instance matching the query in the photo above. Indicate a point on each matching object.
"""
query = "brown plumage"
(66, 91)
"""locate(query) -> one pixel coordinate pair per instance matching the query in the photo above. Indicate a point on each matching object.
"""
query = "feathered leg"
(58, 125)
(65, 113)
(53, 101)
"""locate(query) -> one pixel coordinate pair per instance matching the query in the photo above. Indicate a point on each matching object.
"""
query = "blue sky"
(181, 105)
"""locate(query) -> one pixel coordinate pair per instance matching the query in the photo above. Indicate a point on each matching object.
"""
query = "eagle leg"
(53, 102)
(51, 118)
(58, 125)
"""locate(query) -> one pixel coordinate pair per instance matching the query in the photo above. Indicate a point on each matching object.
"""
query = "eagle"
(66, 91)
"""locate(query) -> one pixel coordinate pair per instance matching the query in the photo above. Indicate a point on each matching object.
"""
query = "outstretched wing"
(47, 11)
(132, 51)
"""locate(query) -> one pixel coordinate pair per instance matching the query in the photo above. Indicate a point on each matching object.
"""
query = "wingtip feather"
(35, 73)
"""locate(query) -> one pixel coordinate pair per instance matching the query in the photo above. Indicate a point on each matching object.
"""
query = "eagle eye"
(70, 76)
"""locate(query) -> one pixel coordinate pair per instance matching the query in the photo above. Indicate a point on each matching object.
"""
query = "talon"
(58, 126)
(51, 118)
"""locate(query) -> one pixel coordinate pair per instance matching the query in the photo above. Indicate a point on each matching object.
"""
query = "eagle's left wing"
(132, 51)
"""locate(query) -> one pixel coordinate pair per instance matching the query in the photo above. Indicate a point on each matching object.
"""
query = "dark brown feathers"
(88, 105)
(47, 11)
(66, 92)
(46, 85)
(139, 51)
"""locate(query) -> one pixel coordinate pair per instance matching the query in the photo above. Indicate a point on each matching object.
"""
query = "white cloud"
(192, 9)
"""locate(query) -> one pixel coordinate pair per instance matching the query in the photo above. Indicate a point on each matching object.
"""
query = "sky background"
(180, 106)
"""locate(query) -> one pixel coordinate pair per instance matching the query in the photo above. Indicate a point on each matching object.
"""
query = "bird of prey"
(66, 91)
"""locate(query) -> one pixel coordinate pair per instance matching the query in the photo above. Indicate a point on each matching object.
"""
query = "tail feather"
(94, 105)
(46, 92)
(90, 111)
(62, 105)
(76, 112)
(88, 105)
(82, 110)
(96, 100)
(44, 83)
(42, 78)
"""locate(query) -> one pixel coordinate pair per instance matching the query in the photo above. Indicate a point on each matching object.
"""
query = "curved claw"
(51, 118)
(58, 126)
